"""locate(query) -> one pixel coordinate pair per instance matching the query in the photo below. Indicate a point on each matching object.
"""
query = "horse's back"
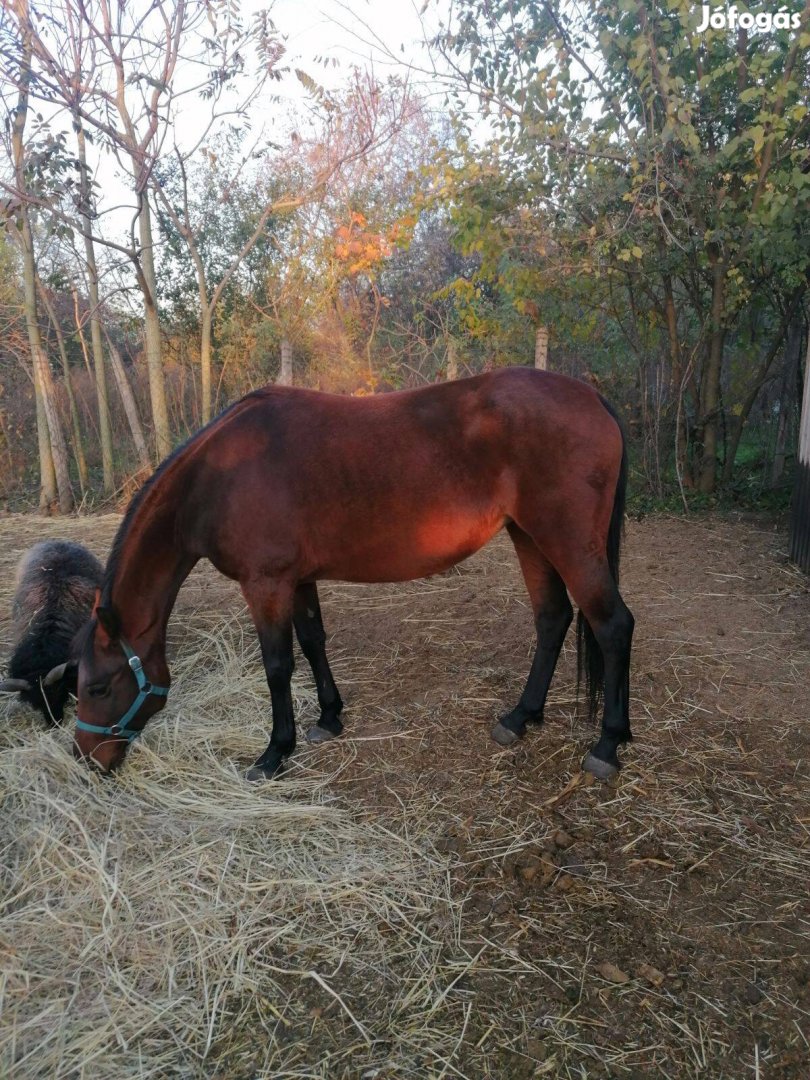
(391, 486)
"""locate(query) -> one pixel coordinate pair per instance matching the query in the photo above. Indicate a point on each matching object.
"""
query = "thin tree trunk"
(780, 443)
(77, 318)
(800, 512)
(205, 361)
(104, 425)
(57, 439)
(755, 386)
(7, 445)
(793, 350)
(710, 390)
(206, 318)
(157, 386)
(130, 407)
(285, 376)
(78, 447)
(42, 371)
(541, 348)
(371, 336)
(47, 474)
(677, 385)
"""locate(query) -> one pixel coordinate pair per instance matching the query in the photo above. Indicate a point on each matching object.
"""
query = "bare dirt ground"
(656, 927)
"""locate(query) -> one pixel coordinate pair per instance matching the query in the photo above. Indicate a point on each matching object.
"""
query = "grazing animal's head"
(56, 586)
(115, 695)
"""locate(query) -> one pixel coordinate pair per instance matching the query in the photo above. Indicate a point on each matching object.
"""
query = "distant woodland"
(601, 190)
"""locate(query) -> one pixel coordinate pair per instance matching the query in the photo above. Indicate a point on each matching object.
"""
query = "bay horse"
(289, 487)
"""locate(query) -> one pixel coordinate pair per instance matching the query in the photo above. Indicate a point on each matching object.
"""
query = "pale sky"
(326, 39)
(389, 36)
(344, 34)
(331, 28)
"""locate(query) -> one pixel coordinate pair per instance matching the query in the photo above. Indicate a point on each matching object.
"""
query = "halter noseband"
(145, 688)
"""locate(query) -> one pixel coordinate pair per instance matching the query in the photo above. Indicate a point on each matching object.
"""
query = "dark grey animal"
(54, 594)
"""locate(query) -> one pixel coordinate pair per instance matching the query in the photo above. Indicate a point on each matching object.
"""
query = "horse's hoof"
(318, 734)
(504, 736)
(602, 770)
(256, 773)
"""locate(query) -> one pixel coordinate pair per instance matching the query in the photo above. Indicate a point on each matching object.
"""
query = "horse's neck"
(151, 568)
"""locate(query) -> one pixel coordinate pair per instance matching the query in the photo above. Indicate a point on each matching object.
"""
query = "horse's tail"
(590, 661)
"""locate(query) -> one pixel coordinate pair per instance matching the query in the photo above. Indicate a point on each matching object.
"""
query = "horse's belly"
(415, 550)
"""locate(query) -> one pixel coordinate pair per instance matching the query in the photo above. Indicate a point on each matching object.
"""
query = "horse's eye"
(99, 690)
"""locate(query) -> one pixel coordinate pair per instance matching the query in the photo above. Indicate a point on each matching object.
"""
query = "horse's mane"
(140, 496)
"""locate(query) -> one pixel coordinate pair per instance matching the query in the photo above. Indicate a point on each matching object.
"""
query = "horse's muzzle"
(99, 766)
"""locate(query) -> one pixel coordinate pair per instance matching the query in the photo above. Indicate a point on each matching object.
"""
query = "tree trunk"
(710, 389)
(104, 425)
(57, 439)
(130, 407)
(800, 513)
(205, 361)
(42, 372)
(793, 355)
(206, 318)
(756, 385)
(157, 386)
(47, 474)
(678, 385)
(78, 447)
(541, 348)
(285, 375)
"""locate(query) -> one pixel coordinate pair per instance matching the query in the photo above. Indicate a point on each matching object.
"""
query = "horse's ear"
(110, 623)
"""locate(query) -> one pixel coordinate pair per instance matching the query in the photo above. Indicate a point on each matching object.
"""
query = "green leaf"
(757, 137)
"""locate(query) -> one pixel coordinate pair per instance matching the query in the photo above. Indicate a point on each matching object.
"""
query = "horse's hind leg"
(271, 604)
(596, 594)
(312, 639)
(552, 617)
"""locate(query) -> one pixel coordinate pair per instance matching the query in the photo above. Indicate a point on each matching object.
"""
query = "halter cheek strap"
(145, 688)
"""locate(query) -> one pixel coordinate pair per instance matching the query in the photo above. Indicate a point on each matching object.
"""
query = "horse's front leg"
(311, 636)
(271, 606)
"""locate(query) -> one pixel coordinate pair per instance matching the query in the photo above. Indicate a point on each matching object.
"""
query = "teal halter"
(145, 688)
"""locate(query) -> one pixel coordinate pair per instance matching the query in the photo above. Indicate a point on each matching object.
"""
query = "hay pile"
(176, 921)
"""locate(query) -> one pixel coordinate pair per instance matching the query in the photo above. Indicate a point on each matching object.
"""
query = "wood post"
(285, 376)
(452, 360)
(541, 348)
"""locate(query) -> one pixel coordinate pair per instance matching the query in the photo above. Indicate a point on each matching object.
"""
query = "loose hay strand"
(164, 923)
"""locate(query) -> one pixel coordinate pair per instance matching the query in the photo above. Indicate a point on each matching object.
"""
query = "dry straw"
(176, 921)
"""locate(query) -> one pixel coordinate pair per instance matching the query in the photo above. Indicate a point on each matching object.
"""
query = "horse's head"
(116, 696)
